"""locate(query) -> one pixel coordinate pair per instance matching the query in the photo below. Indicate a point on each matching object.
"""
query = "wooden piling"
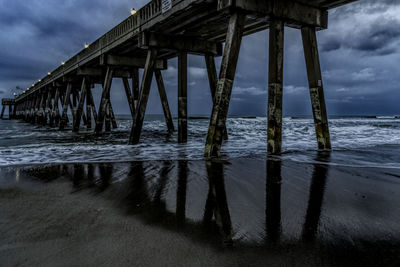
(56, 111)
(225, 83)
(182, 97)
(108, 118)
(104, 100)
(40, 111)
(64, 116)
(144, 96)
(112, 115)
(92, 104)
(47, 108)
(275, 86)
(135, 87)
(2, 111)
(9, 112)
(79, 109)
(213, 81)
(88, 110)
(316, 87)
(72, 104)
(164, 101)
(129, 96)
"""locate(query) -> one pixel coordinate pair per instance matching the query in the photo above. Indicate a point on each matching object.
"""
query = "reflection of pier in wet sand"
(210, 202)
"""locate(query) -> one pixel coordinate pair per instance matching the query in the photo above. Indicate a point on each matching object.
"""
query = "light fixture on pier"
(49, 73)
(39, 80)
(133, 11)
(86, 45)
(33, 84)
(62, 62)
(15, 94)
(23, 92)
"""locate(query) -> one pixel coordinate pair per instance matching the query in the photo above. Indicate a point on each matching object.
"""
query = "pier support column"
(56, 111)
(88, 110)
(2, 111)
(46, 112)
(129, 96)
(316, 87)
(275, 87)
(112, 115)
(79, 109)
(104, 100)
(213, 80)
(40, 112)
(135, 87)
(72, 104)
(224, 86)
(164, 101)
(182, 97)
(107, 121)
(144, 96)
(64, 116)
(9, 112)
(92, 104)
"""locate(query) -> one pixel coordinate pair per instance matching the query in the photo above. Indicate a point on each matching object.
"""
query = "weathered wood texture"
(135, 86)
(144, 96)
(224, 87)
(64, 116)
(213, 81)
(316, 87)
(88, 109)
(275, 87)
(79, 109)
(164, 101)
(56, 111)
(104, 100)
(129, 96)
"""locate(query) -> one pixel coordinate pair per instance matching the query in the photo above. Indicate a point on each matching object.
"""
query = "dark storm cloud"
(359, 57)
(375, 39)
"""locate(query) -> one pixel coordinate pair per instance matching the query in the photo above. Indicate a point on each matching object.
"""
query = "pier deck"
(162, 30)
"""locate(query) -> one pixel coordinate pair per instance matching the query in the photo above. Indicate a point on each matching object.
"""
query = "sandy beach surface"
(195, 213)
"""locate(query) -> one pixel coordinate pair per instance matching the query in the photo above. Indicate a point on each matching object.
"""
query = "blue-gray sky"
(360, 57)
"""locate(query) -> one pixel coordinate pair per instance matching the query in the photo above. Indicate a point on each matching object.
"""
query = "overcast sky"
(360, 57)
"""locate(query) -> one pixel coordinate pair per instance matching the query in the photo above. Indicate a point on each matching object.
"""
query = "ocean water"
(356, 141)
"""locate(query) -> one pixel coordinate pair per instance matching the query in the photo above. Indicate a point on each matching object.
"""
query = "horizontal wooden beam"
(179, 43)
(99, 72)
(294, 14)
(7, 101)
(134, 62)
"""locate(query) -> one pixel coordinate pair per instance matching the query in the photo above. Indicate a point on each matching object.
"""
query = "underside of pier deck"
(147, 39)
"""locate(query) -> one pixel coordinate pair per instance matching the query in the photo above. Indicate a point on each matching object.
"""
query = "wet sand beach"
(241, 212)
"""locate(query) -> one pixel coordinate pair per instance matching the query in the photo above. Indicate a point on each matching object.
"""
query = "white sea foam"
(22, 143)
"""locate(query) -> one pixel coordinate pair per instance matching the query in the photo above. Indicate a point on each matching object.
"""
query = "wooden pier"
(164, 29)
